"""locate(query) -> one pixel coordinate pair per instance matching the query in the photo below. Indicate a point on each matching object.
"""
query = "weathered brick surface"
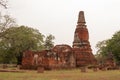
(81, 44)
(63, 56)
(40, 69)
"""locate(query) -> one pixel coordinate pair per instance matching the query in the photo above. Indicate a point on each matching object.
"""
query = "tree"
(6, 21)
(49, 42)
(3, 3)
(114, 46)
(19, 39)
(100, 46)
(110, 46)
(101, 52)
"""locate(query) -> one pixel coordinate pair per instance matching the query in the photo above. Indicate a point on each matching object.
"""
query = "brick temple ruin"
(81, 44)
(64, 56)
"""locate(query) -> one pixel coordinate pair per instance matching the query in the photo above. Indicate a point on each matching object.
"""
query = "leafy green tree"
(101, 46)
(49, 42)
(114, 46)
(101, 52)
(19, 39)
(110, 46)
(6, 21)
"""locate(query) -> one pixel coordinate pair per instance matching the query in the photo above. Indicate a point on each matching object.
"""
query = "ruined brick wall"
(32, 59)
(110, 62)
(27, 59)
(65, 55)
(59, 57)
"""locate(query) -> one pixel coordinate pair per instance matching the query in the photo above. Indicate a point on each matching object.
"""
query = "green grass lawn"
(75, 74)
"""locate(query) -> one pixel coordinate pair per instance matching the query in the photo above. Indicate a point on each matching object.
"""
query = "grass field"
(75, 74)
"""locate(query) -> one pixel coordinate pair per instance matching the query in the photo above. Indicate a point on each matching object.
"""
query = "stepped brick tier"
(81, 44)
(63, 56)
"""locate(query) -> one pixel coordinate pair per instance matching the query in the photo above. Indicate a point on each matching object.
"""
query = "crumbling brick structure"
(60, 56)
(64, 56)
(81, 44)
(32, 59)
(108, 62)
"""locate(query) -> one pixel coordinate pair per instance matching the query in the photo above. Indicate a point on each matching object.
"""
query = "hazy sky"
(59, 17)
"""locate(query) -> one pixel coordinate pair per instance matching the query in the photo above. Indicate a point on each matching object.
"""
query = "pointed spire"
(81, 18)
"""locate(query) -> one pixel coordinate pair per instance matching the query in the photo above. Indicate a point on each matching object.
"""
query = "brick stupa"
(63, 56)
(81, 44)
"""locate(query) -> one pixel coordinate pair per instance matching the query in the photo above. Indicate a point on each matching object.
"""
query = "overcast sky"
(59, 17)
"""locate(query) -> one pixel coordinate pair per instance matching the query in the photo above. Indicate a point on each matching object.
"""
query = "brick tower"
(81, 45)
